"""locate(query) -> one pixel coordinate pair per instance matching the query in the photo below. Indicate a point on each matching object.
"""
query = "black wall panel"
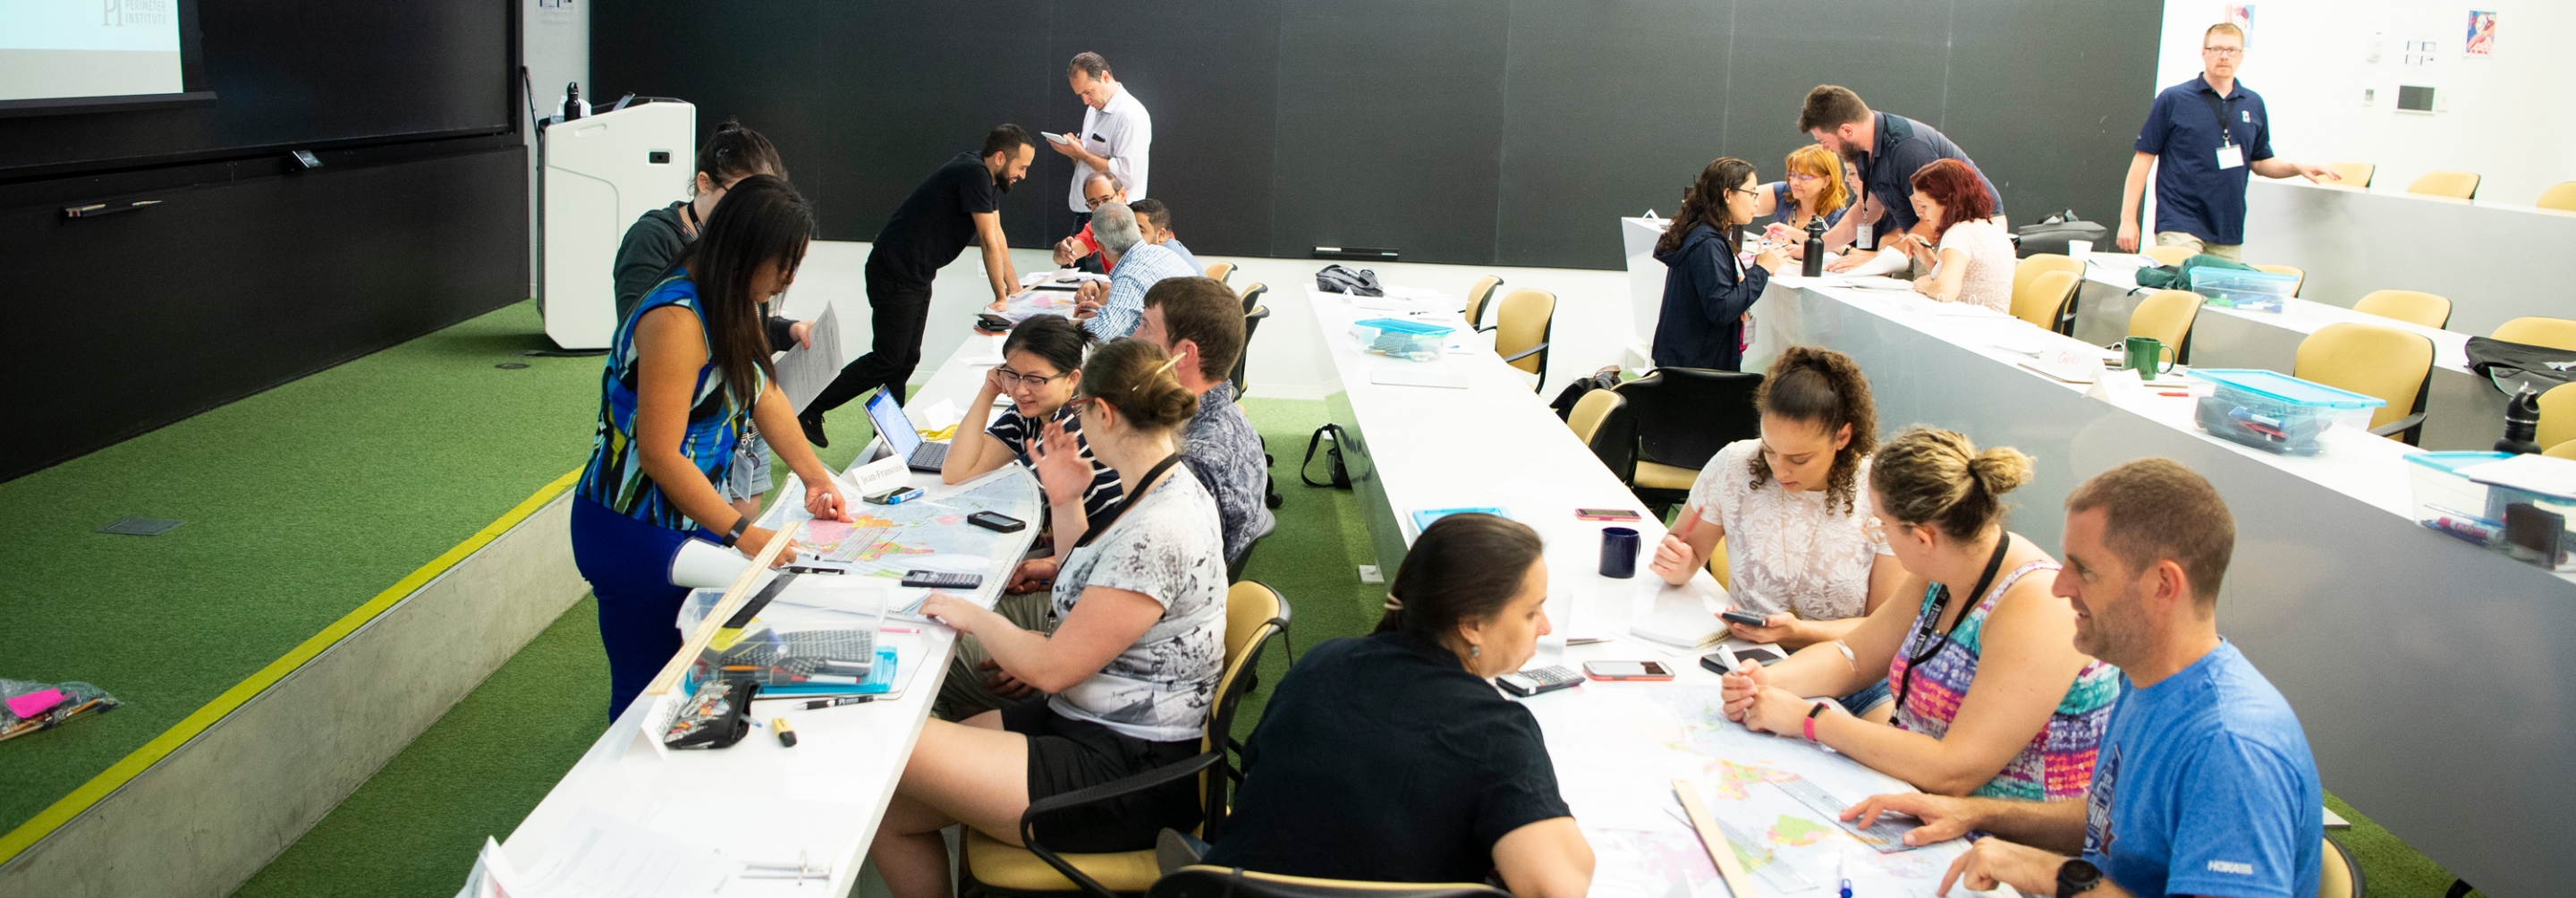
(1468, 131)
(124, 323)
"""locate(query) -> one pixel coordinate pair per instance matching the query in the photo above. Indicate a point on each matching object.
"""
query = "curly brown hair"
(1938, 478)
(1825, 388)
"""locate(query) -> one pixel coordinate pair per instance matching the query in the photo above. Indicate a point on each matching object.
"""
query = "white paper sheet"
(599, 856)
(802, 372)
(1413, 375)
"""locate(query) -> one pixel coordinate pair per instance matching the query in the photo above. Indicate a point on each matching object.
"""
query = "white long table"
(2463, 411)
(759, 801)
(2430, 675)
(2495, 259)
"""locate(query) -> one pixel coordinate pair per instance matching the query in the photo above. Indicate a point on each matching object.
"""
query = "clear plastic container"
(2452, 504)
(1401, 339)
(2253, 291)
(2275, 412)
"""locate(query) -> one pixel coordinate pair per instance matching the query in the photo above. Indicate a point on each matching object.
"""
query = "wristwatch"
(2077, 876)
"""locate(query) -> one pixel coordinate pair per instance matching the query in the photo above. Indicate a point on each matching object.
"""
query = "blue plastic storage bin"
(2256, 291)
(2275, 412)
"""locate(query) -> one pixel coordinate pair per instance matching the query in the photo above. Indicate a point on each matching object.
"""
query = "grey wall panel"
(1892, 54)
(1587, 141)
(2054, 105)
(910, 85)
(766, 78)
(1209, 74)
(1390, 127)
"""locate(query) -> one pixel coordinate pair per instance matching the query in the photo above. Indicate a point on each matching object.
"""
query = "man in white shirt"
(1117, 134)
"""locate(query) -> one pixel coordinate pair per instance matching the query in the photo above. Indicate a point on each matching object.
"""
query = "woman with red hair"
(1973, 262)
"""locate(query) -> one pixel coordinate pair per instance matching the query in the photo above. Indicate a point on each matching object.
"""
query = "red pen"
(2173, 393)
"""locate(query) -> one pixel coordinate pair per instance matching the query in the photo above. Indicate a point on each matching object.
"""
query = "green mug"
(2145, 354)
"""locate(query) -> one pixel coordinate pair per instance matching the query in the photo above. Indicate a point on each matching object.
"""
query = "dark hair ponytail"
(761, 222)
(1825, 388)
(1705, 201)
(1135, 377)
(734, 151)
(1462, 566)
(1051, 337)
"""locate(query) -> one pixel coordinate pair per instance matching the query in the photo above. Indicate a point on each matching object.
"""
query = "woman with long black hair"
(1708, 290)
(689, 368)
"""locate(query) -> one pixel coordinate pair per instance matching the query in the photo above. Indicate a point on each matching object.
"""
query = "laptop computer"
(900, 437)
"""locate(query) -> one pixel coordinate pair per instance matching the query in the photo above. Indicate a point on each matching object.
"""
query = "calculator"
(1540, 679)
(939, 580)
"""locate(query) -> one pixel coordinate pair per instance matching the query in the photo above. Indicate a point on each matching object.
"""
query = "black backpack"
(1335, 475)
(2510, 366)
(2049, 235)
(1337, 279)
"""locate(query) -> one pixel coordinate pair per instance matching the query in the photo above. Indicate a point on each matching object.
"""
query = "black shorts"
(1067, 754)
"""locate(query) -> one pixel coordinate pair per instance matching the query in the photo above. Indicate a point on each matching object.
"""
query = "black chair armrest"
(2398, 426)
(1526, 353)
(1112, 789)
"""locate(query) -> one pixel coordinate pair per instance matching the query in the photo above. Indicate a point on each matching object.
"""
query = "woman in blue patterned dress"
(688, 369)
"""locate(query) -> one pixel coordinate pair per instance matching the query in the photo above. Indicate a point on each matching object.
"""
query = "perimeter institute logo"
(2097, 804)
(118, 13)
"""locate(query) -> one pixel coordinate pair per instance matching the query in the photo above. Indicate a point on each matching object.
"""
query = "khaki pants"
(964, 694)
(2233, 252)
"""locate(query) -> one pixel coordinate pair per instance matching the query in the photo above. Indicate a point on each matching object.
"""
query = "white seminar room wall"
(2504, 116)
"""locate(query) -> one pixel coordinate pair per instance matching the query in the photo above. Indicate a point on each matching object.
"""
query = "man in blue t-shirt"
(2205, 134)
(2204, 784)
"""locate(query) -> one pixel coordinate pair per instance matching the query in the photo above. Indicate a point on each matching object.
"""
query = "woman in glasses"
(1992, 699)
(1709, 288)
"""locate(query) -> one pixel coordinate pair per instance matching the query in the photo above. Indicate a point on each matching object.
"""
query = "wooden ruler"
(731, 602)
(1709, 837)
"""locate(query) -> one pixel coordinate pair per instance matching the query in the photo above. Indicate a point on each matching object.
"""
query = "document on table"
(599, 856)
(1414, 375)
(804, 372)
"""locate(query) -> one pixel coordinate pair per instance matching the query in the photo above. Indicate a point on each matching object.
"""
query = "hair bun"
(2000, 470)
(730, 123)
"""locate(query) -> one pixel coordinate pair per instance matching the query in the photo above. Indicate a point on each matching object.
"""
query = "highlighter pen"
(787, 739)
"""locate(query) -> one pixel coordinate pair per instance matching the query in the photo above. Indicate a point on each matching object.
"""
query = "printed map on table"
(1038, 302)
(1619, 747)
(929, 533)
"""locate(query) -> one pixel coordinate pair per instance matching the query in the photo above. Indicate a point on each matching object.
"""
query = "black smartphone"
(1741, 616)
(996, 522)
(992, 324)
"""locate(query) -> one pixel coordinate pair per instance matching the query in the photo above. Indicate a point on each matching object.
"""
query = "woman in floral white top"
(1802, 545)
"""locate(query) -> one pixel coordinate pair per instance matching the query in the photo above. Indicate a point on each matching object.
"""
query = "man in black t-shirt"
(960, 203)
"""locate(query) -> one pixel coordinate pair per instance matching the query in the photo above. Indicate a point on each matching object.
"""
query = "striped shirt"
(2057, 765)
(1016, 431)
(1139, 269)
(615, 476)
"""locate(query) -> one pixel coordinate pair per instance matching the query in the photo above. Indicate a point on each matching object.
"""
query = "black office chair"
(1682, 417)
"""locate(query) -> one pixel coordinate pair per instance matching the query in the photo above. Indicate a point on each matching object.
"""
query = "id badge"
(2230, 156)
(1861, 235)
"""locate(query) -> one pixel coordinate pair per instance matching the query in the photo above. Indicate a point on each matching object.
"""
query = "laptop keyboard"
(929, 456)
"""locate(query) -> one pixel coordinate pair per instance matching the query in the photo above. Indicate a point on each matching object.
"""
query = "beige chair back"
(1590, 411)
(1522, 322)
(1221, 271)
(1478, 297)
(2291, 270)
(2555, 333)
(2560, 196)
(2370, 360)
(2167, 255)
(2410, 306)
(2167, 316)
(2041, 301)
(2557, 417)
(2028, 270)
(2458, 185)
(2355, 174)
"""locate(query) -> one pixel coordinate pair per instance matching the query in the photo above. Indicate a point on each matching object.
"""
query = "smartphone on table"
(1606, 514)
(1627, 670)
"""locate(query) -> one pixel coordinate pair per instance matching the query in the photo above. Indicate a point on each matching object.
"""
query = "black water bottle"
(572, 101)
(1815, 249)
(2521, 423)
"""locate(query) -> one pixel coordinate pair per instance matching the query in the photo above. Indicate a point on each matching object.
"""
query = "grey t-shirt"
(1223, 450)
(1167, 547)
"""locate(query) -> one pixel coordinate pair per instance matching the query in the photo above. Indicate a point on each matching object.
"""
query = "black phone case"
(997, 523)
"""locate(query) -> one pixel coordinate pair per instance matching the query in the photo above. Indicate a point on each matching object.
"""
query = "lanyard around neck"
(1940, 604)
(2221, 109)
(1152, 477)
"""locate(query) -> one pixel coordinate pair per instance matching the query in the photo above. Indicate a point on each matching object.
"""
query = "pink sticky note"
(34, 703)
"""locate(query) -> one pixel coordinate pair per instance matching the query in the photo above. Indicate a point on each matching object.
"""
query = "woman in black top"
(1708, 289)
(1391, 758)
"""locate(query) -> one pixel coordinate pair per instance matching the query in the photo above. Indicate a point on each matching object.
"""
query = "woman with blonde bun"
(1992, 699)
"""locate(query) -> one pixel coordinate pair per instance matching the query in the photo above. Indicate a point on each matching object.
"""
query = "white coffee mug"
(2079, 249)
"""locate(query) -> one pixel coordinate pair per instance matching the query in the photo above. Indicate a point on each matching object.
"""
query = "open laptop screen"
(893, 424)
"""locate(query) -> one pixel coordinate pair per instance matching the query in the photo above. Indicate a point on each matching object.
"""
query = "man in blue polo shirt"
(2204, 784)
(1887, 149)
(2201, 175)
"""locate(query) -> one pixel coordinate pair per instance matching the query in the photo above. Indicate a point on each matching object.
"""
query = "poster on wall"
(2240, 15)
(2482, 34)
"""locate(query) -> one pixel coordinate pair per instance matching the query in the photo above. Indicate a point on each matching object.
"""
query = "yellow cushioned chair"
(2410, 306)
(2385, 362)
(2167, 255)
(2291, 270)
(1478, 297)
(1253, 614)
(2045, 303)
(2167, 315)
(2338, 877)
(1600, 419)
(1522, 325)
(2563, 450)
(2049, 301)
(2557, 417)
(1717, 560)
(1683, 417)
(2536, 330)
(2355, 174)
(1221, 271)
(1204, 881)
(2458, 185)
(2560, 196)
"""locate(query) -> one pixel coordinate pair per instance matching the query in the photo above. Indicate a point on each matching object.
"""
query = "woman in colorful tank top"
(688, 370)
(1992, 698)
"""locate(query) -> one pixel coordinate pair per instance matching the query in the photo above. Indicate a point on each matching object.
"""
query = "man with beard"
(1888, 149)
(2204, 135)
(2204, 784)
(961, 202)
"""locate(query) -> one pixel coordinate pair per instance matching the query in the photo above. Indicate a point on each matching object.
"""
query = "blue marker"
(1842, 870)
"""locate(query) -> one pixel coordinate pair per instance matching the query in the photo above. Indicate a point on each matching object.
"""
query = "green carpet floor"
(305, 501)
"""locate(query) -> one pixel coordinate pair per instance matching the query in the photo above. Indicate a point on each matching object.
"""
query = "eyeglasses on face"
(1013, 380)
(2224, 51)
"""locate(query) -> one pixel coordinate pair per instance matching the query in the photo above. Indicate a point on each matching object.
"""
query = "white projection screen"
(61, 50)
